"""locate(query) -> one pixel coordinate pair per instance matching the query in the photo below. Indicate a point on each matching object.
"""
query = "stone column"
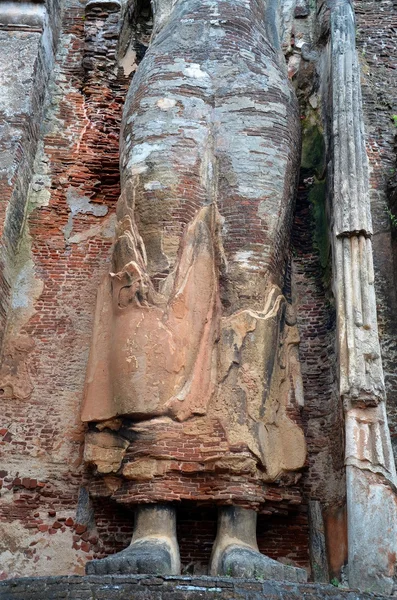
(371, 473)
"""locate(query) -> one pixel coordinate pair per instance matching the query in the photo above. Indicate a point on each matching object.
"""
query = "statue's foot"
(240, 561)
(235, 552)
(151, 555)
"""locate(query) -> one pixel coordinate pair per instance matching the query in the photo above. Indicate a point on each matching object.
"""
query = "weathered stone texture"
(169, 588)
(28, 45)
(370, 467)
(310, 288)
(376, 26)
(322, 414)
(63, 253)
(65, 250)
(188, 322)
(66, 241)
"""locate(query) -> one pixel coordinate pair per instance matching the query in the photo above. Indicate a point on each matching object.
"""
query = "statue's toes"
(142, 557)
(239, 561)
(125, 564)
(154, 558)
(104, 566)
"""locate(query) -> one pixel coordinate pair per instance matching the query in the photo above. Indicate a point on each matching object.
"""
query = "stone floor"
(144, 587)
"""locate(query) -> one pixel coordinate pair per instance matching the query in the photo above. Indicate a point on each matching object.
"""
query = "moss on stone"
(313, 165)
(313, 149)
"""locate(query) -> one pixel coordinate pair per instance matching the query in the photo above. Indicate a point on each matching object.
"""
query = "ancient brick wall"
(316, 320)
(28, 47)
(281, 537)
(310, 287)
(324, 479)
(63, 252)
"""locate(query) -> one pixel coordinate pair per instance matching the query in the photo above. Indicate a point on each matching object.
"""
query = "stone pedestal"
(139, 587)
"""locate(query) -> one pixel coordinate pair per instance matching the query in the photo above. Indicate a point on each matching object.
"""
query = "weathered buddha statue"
(194, 373)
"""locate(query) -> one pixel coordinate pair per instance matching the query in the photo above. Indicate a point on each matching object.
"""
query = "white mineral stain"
(194, 70)
(244, 257)
(141, 152)
(22, 287)
(166, 103)
(197, 588)
(153, 185)
(81, 204)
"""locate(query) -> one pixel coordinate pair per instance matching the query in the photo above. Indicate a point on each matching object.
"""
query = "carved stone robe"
(193, 387)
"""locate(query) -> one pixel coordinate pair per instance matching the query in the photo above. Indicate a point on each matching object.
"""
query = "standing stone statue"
(194, 372)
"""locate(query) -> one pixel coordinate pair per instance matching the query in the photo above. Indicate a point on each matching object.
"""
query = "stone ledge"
(146, 587)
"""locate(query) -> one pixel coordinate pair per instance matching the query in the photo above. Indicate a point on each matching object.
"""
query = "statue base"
(137, 587)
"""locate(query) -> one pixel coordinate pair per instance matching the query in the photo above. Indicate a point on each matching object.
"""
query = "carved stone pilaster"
(361, 375)
(371, 473)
